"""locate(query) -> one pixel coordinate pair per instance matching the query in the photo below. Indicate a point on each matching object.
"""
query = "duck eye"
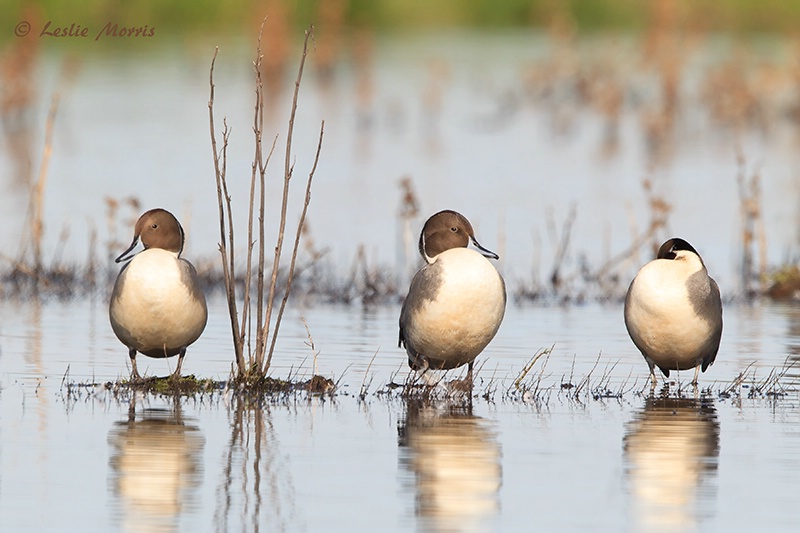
(154, 226)
(454, 229)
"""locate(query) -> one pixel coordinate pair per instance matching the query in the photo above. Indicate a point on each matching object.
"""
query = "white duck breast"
(456, 302)
(157, 308)
(461, 312)
(673, 311)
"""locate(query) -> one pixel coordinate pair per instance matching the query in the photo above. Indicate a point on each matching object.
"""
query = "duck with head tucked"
(673, 311)
(456, 302)
(157, 306)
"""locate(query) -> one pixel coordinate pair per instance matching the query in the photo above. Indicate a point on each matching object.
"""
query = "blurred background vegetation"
(187, 17)
(752, 87)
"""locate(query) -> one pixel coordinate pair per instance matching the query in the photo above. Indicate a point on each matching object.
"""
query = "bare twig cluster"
(603, 281)
(254, 349)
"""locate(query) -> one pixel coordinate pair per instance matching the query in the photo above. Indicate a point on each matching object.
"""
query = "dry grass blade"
(38, 223)
(736, 384)
(364, 384)
(562, 248)
(529, 365)
(36, 207)
(584, 383)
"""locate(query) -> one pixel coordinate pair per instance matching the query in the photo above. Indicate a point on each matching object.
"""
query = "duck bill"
(128, 254)
(484, 251)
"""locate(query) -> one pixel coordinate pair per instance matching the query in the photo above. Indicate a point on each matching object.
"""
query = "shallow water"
(598, 456)
(566, 462)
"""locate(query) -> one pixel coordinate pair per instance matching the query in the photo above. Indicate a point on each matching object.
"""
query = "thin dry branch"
(220, 166)
(296, 246)
(287, 176)
(261, 166)
(257, 362)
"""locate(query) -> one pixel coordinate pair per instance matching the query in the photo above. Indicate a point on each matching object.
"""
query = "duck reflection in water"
(671, 455)
(454, 458)
(155, 467)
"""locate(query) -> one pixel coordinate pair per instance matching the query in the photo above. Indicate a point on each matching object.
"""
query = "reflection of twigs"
(253, 447)
(224, 492)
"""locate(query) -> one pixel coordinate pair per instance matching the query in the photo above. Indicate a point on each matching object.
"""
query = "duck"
(157, 306)
(673, 311)
(456, 301)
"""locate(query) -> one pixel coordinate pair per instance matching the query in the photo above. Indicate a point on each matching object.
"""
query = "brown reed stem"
(37, 211)
(260, 164)
(296, 245)
(242, 331)
(258, 129)
(287, 176)
(223, 200)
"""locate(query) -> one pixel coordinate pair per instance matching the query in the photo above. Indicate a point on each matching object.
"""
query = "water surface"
(339, 463)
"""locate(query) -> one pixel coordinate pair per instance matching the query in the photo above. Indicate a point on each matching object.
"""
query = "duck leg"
(181, 355)
(696, 374)
(134, 370)
(418, 362)
(653, 379)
